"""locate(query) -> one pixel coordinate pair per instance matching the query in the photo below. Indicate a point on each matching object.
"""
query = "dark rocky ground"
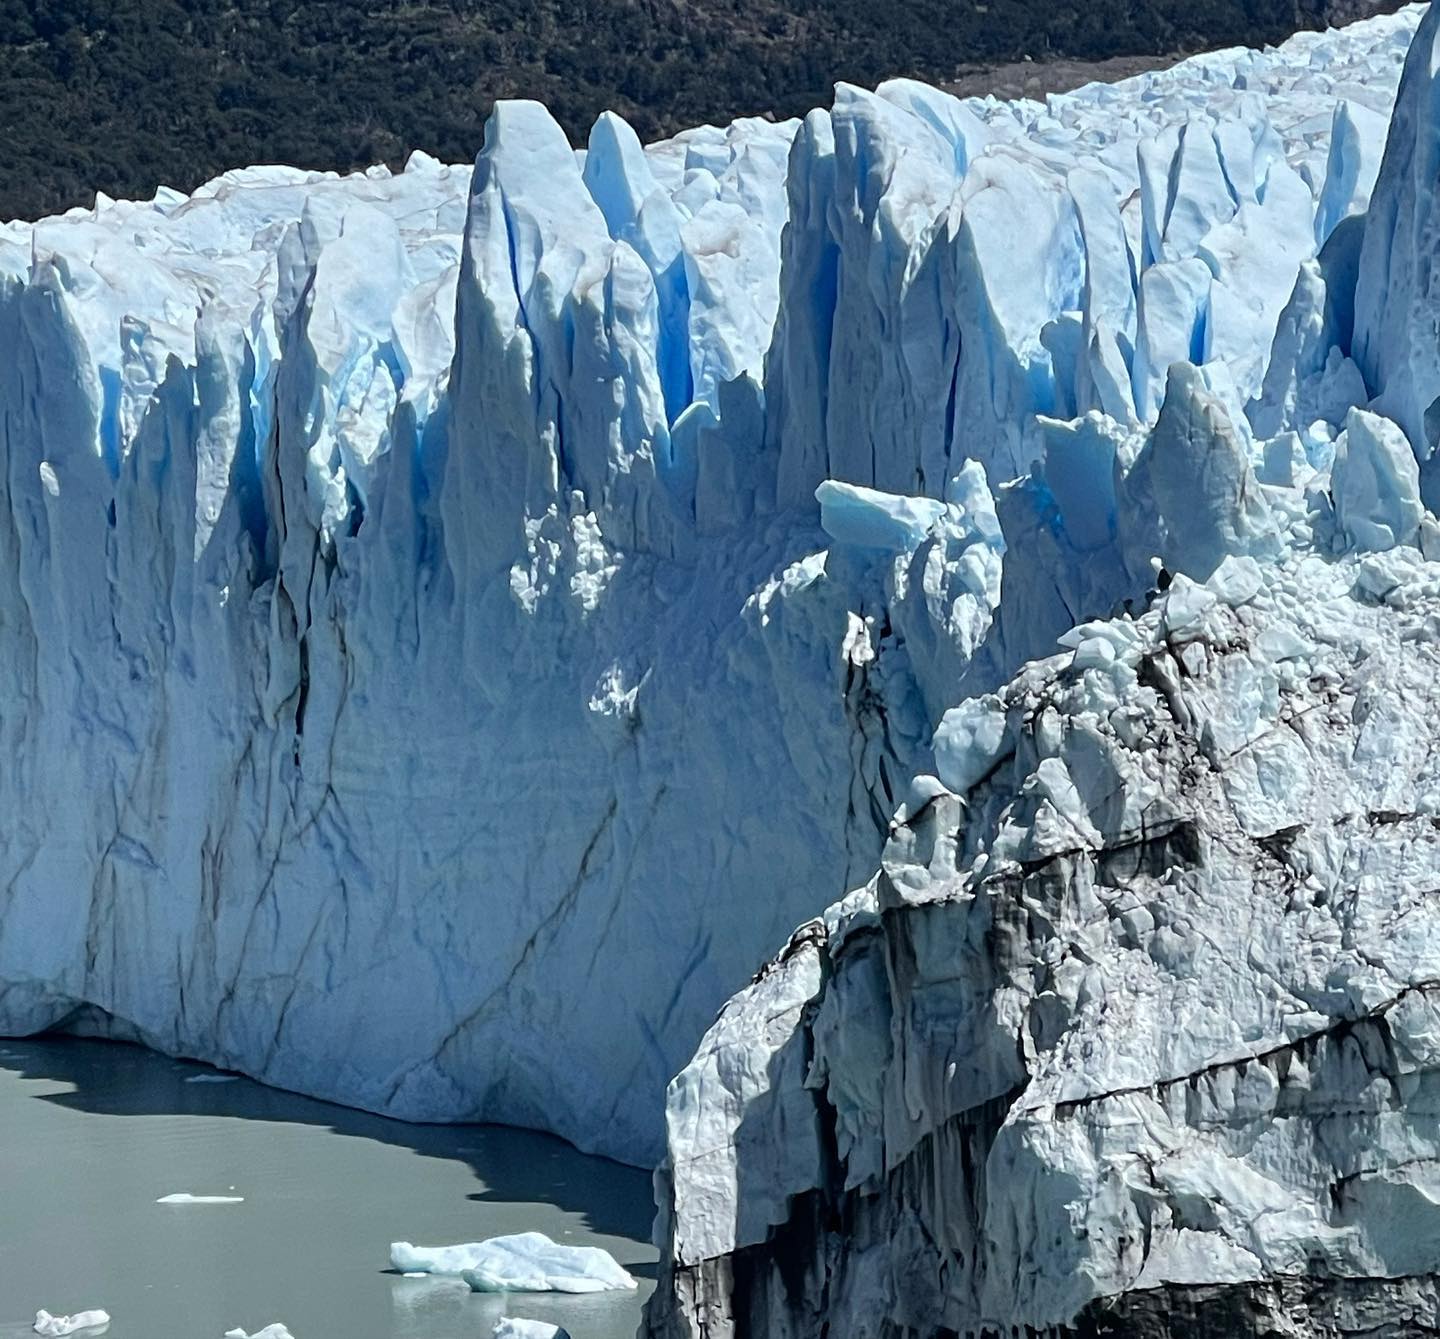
(1036, 78)
(1030, 78)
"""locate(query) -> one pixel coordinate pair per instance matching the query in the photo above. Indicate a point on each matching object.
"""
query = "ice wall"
(428, 677)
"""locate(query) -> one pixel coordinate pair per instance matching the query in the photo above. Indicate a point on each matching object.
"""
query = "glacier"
(1132, 1032)
(456, 623)
(363, 687)
(417, 620)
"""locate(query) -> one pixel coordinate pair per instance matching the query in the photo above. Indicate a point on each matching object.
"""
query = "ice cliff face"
(1134, 1031)
(1149, 1002)
(378, 701)
(454, 624)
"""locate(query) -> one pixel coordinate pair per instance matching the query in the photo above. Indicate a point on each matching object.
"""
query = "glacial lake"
(93, 1133)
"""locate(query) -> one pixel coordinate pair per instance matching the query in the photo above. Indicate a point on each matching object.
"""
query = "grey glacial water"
(93, 1133)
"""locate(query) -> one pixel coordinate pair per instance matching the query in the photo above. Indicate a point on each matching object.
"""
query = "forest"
(121, 96)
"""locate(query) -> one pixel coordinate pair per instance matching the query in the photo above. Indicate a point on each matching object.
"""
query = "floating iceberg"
(182, 1198)
(273, 1331)
(525, 1262)
(54, 1326)
(510, 1328)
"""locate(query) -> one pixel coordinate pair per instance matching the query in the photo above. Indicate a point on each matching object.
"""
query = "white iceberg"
(275, 1330)
(509, 1327)
(52, 1326)
(525, 1262)
(183, 1198)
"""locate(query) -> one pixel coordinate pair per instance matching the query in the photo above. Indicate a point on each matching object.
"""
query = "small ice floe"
(510, 1328)
(273, 1331)
(52, 1326)
(183, 1198)
(525, 1262)
(213, 1078)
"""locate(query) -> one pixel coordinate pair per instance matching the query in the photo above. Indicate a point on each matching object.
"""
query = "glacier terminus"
(889, 663)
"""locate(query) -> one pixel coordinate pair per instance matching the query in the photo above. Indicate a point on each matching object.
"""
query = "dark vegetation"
(122, 95)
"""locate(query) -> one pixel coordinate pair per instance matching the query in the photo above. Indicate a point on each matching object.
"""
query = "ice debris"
(1375, 482)
(969, 741)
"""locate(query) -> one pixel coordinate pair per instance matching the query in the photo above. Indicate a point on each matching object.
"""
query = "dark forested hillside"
(121, 95)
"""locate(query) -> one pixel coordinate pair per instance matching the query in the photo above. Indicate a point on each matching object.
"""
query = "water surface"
(93, 1133)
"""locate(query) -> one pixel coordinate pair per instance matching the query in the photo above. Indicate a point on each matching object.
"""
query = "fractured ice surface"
(1134, 1029)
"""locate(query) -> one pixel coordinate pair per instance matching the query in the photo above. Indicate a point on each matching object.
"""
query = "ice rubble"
(421, 576)
(1134, 1031)
(523, 1262)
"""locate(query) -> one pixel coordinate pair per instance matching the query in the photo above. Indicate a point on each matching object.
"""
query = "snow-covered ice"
(183, 1197)
(54, 1326)
(273, 1331)
(522, 1262)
